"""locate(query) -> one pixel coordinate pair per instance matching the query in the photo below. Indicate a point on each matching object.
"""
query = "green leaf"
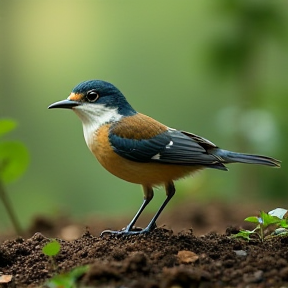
(78, 271)
(7, 125)
(67, 280)
(268, 219)
(244, 234)
(283, 223)
(252, 219)
(60, 281)
(52, 248)
(14, 159)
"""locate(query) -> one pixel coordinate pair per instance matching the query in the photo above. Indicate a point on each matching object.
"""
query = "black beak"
(68, 104)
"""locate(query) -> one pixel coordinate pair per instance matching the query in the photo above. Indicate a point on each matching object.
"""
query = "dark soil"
(162, 258)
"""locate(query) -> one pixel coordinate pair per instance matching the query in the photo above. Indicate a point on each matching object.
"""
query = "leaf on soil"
(245, 233)
(67, 280)
(52, 248)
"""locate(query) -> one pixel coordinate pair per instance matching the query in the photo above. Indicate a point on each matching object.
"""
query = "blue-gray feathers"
(182, 148)
(234, 157)
(110, 96)
(171, 147)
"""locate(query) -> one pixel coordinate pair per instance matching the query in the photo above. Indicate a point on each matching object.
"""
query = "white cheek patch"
(93, 116)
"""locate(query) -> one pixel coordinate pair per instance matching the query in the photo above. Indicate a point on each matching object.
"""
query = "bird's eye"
(92, 96)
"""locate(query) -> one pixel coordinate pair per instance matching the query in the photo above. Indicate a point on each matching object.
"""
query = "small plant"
(14, 160)
(277, 217)
(67, 280)
(51, 250)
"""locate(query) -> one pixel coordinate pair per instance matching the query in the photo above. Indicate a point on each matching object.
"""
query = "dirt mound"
(160, 259)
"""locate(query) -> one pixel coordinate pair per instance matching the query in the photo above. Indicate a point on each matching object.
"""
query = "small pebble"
(187, 257)
(240, 253)
(255, 277)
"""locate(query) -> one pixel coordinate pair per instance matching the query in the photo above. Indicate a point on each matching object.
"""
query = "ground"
(182, 257)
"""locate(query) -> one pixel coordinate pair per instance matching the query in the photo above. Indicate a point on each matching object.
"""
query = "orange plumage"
(146, 174)
(139, 149)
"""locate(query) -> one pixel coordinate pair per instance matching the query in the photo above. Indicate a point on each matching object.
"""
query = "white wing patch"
(156, 157)
(169, 145)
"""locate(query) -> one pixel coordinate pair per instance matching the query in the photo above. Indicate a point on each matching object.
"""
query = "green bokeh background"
(215, 68)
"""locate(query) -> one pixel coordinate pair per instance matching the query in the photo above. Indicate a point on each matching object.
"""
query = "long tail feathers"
(232, 157)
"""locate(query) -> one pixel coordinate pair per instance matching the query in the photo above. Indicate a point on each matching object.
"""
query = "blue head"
(96, 103)
(98, 92)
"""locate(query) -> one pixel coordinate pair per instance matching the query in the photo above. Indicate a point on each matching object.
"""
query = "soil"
(163, 258)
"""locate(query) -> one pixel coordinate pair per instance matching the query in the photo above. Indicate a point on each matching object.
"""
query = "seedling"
(14, 160)
(51, 250)
(276, 217)
(67, 280)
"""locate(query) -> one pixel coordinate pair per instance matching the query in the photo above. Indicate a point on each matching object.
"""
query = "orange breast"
(141, 173)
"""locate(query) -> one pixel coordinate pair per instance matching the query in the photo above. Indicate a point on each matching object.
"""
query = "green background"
(215, 68)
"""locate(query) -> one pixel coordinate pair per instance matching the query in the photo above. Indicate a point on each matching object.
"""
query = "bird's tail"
(232, 157)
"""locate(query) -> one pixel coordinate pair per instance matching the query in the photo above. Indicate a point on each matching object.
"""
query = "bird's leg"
(170, 191)
(148, 195)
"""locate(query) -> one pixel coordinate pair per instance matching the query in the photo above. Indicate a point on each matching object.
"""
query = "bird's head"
(95, 99)
(96, 103)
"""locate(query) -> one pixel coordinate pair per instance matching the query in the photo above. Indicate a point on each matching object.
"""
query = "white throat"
(93, 116)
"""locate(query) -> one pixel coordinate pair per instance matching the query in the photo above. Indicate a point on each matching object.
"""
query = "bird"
(141, 150)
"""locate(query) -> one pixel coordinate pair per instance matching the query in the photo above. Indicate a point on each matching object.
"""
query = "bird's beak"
(68, 104)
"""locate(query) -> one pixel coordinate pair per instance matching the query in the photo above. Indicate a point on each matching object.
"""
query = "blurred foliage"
(215, 68)
(14, 157)
(251, 24)
(67, 280)
(14, 160)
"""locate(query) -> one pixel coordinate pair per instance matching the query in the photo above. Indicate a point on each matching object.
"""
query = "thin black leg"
(170, 191)
(148, 195)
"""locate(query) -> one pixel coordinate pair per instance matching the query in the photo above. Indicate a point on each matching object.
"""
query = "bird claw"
(127, 232)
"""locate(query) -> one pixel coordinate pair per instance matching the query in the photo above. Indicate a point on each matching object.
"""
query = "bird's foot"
(128, 231)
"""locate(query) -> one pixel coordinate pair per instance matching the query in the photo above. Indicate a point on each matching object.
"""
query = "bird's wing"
(169, 147)
(187, 148)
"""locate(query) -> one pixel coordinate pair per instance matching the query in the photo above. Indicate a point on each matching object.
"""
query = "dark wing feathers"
(200, 140)
(187, 150)
(170, 147)
(138, 150)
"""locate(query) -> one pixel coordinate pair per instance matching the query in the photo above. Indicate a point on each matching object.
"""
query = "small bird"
(139, 149)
